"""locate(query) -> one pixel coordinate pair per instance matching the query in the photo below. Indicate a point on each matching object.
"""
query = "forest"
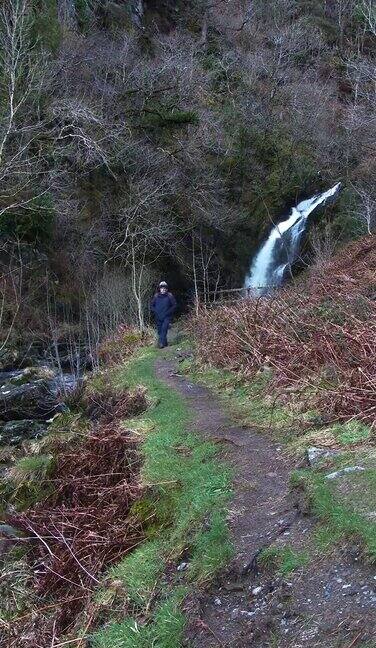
(143, 141)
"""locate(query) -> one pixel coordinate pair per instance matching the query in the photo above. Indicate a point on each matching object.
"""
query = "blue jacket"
(163, 305)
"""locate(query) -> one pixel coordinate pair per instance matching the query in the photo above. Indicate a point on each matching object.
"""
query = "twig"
(76, 559)
(354, 641)
(45, 607)
(206, 627)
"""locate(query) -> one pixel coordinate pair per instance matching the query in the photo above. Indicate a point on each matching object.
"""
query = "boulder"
(24, 376)
(8, 535)
(7, 531)
(315, 454)
(345, 471)
(15, 432)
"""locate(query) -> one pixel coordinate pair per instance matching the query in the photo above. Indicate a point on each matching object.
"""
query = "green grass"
(273, 640)
(326, 537)
(186, 489)
(31, 468)
(358, 491)
(140, 572)
(211, 549)
(25, 484)
(338, 514)
(165, 630)
(351, 433)
(247, 400)
(66, 430)
(283, 560)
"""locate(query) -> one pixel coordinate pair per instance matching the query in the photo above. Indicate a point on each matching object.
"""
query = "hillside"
(140, 140)
(220, 489)
(296, 371)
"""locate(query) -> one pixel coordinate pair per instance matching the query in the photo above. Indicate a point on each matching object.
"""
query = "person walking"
(163, 306)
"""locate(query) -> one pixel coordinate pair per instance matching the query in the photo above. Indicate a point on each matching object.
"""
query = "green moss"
(143, 509)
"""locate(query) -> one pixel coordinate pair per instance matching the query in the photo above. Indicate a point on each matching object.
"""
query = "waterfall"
(282, 247)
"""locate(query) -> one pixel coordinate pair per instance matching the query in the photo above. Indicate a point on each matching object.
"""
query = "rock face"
(14, 432)
(36, 399)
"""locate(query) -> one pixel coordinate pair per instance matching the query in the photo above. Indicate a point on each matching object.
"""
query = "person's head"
(163, 287)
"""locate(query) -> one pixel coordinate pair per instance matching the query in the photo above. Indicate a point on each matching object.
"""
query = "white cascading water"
(281, 249)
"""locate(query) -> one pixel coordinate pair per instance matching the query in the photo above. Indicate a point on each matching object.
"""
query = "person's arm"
(152, 304)
(173, 305)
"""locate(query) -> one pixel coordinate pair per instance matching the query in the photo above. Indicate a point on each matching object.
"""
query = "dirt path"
(330, 602)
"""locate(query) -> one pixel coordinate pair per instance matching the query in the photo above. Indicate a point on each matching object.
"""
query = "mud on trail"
(329, 602)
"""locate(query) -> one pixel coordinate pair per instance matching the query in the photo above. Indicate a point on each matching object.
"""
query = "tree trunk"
(66, 13)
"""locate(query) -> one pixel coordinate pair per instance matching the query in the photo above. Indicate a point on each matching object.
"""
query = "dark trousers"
(162, 328)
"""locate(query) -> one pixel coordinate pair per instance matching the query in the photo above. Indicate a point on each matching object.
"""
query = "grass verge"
(248, 401)
(346, 507)
(338, 514)
(184, 515)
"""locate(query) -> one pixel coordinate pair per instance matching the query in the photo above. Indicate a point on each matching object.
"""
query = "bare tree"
(369, 12)
(11, 284)
(22, 76)
(366, 208)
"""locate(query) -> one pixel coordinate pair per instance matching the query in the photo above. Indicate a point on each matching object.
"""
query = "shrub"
(325, 349)
(119, 346)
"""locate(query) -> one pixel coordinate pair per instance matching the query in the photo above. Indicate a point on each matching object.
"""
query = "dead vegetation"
(121, 344)
(108, 404)
(83, 524)
(317, 337)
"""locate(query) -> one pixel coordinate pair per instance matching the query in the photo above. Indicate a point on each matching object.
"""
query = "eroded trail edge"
(331, 598)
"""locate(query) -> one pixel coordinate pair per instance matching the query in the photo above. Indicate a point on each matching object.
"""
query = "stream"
(29, 399)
